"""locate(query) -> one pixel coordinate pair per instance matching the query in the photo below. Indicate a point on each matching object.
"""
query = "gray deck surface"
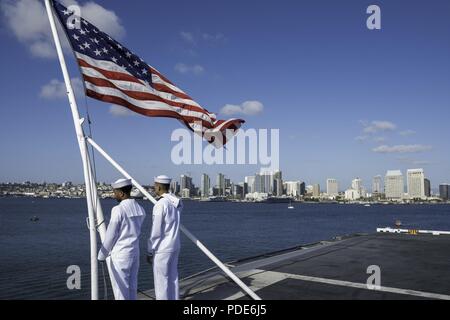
(412, 267)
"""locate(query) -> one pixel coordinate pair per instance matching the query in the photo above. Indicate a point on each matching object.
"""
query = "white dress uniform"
(120, 248)
(164, 244)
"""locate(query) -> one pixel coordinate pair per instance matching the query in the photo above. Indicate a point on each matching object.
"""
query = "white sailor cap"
(163, 179)
(121, 183)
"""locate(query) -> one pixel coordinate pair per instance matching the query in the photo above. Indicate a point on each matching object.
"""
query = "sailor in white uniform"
(120, 248)
(164, 241)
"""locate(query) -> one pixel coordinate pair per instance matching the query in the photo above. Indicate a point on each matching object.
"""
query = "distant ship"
(277, 200)
(217, 199)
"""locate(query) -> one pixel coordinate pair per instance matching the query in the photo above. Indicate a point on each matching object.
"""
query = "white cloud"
(27, 19)
(188, 37)
(193, 38)
(361, 138)
(187, 69)
(377, 126)
(119, 111)
(379, 139)
(56, 89)
(213, 37)
(412, 148)
(250, 108)
(407, 133)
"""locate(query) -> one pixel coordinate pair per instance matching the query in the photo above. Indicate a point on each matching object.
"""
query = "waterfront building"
(444, 191)
(394, 185)
(332, 188)
(205, 186)
(415, 183)
(377, 185)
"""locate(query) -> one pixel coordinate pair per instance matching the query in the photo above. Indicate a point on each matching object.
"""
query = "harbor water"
(35, 255)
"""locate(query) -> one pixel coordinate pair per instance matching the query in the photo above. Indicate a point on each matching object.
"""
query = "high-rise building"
(332, 187)
(316, 190)
(377, 185)
(416, 183)
(244, 189)
(357, 185)
(394, 185)
(259, 183)
(302, 188)
(352, 195)
(278, 187)
(250, 180)
(205, 185)
(175, 187)
(220, 184)
(293, 188)
(186, 183)
(444, 191)
(278, 175)
(238, 191)
(227, 183)
(267, 182)
(427, 187)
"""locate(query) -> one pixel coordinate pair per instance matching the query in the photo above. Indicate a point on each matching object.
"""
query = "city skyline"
(351, 103)
(187, 180)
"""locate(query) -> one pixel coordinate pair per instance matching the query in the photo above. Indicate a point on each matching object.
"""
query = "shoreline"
(362, 202)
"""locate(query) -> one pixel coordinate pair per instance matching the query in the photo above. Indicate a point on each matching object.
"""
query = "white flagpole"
(197, 242)
(91, 192)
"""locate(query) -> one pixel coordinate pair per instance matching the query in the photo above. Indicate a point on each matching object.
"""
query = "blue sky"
(349, 102)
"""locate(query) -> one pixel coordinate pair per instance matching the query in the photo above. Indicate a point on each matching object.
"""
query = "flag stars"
(144, 71)
(114, 59)
(86, 45)
(66, 12)
(76, 37)
(105, 50)
(97, 52)
(128, 55)
(82, 32)
(136, 63)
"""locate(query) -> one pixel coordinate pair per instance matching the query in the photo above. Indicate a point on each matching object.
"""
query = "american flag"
(114, 74)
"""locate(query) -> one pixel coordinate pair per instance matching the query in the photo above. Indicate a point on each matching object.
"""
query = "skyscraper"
(394, 185)
(278, 186)
(267, 182)
(332, 187)
(357, 184)
(259, 184)
(444, 191)
(205, 186)
(427, 187)
(186, 183)
(293, 188)
(316, 190)
(175, 187)
(250, 180)
(220, 184)
(416, 183)
(377, 185)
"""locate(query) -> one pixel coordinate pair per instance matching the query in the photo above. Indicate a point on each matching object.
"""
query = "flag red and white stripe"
(114, 74)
